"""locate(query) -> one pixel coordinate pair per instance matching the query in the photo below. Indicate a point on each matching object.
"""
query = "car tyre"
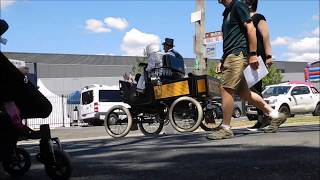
(316, 111)
(236, 113)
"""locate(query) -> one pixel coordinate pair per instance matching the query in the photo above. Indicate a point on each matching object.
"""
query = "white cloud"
(316, 31)
(281, 41)
(305, 57)
(135, 41)
(96, 26)
(316, 17)
(6, 3)
(305, 45)
(117, 23)
(302, 50)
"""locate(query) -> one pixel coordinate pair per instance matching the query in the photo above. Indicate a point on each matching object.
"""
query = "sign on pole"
(213, 37)
(210, 50)
(195, 16)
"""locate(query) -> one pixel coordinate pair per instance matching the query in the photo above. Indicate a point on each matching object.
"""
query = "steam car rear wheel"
(185, 114)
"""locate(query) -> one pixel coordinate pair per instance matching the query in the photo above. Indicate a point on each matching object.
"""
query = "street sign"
(210, 50)
(213, 37)
(195, 16)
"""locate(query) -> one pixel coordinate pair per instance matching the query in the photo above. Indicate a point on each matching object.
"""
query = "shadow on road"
(192, 156)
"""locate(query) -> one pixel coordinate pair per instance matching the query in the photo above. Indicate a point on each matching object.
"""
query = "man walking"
(239, 50)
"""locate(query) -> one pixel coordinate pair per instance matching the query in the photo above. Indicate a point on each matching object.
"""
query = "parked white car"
(96, 100)
(290, 98)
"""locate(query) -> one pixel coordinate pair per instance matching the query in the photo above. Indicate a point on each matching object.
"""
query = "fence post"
(62, 99)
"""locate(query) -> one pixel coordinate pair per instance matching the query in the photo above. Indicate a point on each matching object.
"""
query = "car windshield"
(276, 90)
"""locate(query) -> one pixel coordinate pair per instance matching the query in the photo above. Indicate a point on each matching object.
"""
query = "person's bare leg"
(255, 99)
(224, 131)
(276, 118)
(227, 104)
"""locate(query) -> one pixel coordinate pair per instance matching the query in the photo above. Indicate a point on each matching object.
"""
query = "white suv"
(96, 100)
(290, 98)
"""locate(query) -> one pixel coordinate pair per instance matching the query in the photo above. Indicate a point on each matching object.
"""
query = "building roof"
(77, 59)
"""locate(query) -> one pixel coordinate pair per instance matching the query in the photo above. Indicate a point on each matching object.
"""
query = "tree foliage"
(136, 68)
(274, 76)
(211, 69)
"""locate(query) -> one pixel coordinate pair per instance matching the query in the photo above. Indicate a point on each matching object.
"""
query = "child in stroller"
(19, 99)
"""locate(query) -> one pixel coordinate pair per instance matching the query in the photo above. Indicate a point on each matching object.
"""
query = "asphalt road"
(292, 153)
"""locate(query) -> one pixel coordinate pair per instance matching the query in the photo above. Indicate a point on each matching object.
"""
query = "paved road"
(293, 153)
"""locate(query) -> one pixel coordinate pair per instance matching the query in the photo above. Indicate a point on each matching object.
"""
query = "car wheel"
(285, 110)
(214, 114)
(252, 117)
(316, 112)
(236, 113)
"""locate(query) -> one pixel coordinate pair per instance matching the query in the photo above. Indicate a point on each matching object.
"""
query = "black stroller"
(32, 104)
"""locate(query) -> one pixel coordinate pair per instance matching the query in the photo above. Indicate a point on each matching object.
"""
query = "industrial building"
(59, 75)
(65, 73)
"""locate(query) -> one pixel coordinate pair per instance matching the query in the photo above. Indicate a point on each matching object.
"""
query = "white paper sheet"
(253, 76)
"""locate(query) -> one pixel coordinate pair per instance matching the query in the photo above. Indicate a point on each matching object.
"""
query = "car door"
(301, 99)
(87, 103)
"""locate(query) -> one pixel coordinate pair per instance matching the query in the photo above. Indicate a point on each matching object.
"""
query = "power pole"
(199, 38)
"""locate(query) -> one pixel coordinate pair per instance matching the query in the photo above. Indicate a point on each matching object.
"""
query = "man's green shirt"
(234, 32)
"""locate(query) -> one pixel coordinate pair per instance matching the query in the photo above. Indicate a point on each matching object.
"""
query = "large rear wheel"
(185, 114)
(118, 121)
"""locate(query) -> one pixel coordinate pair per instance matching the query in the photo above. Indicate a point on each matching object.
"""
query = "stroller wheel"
(61, 168)
(18, 163)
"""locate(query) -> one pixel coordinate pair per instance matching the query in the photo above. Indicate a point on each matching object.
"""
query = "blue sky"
(126, 27)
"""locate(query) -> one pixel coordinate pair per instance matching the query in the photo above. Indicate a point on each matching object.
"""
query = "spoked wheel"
(209, 121)
(185, 114)
(61, 167)
(151, 125)
(18, 163)
(118, 121)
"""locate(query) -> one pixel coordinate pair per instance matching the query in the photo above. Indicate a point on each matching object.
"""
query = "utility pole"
(201, 68)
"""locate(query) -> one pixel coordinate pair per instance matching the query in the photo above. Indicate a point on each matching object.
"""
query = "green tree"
(274, 76)
(211, 68)
(136, 68)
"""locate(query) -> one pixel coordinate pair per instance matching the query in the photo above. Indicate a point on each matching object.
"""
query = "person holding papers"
(239, 51)
(264, 51)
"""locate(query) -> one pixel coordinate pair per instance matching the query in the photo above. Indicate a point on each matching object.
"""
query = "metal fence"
(62, 115)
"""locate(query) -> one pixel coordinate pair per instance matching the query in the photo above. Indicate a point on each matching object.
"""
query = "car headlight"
(273, 101)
